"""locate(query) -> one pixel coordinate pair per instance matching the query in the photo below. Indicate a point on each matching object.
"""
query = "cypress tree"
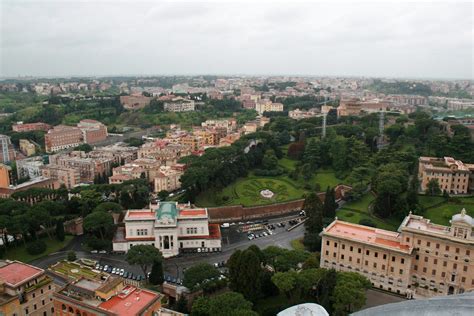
(156, 275)
(60, 231)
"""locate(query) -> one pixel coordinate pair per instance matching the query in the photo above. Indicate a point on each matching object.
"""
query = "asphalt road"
(232, 241)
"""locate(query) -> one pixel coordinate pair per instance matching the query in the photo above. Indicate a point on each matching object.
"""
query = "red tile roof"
(374, 236)
(192, 212)
(131, 301)
(16, 273)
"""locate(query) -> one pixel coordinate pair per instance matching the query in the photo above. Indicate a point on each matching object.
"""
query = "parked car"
(113, 270)
(130, 276)
(106, 267)
(103, 251)
(109, 270)
(125, 275)
(94, 251)
(97, 266)
(122, 271)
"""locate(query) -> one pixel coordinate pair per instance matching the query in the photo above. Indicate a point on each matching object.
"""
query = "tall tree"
(245, 273)
(156, 275)
(198, 273)
(433, 188)
(143, 256)
(314, 223)
(330, 205)
(60, 231)
(100, 224)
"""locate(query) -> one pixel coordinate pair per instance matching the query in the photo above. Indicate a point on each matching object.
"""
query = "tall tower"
(381, 123)
(324, 125)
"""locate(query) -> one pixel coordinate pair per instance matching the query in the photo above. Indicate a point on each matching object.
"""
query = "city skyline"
(406, 40)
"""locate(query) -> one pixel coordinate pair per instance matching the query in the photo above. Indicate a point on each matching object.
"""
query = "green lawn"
(287, 163)
(74, 270)
(443, 213)
(297, 244)
(362, 204)
(326, 179)
(19, 253)
(246, 191)
(355, 217)
(428, 201)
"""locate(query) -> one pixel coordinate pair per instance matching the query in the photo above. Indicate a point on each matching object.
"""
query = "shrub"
(36, 247)
(367, 222)
(71, 256)
(350, 214)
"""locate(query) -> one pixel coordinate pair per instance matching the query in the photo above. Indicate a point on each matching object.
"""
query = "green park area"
(440, 210)
(247, 191)
(357, 211)
(74, 270)
(21, 254)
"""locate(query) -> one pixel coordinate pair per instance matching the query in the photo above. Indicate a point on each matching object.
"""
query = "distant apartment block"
(29, 167)
(62, 137)
(69, 177)
(7, 152)
(25, 290)
(454, 176)
(27, 148)
(298, 114)
(179, 105)
(5, 176)
(164, 151)
(414, 100)
(28, 127)
(421, 257)
(167, 179)
(355, 107)
(134, 102)
(92, 131)
(266, 105)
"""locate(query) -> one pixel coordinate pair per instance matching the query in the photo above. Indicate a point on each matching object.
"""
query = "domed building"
(421, 259)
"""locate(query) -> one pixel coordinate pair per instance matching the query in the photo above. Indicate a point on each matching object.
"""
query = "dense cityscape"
(233, 195)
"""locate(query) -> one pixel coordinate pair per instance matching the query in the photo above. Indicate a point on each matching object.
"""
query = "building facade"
(170, 227)
(25, 290)
(7, 152)
(28, 127)
(62, 137)
(92, 131)
(27, 148)
(422, 257)
(179, 105)
(453, 176)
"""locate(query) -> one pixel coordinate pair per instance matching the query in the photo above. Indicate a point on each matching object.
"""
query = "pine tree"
(60, 231)
(314, 223)
(156, 275)
(330, 205)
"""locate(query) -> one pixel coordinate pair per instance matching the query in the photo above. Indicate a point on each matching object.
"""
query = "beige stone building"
(167, 178)
(27, 147)
(421, 257)
(454, 176)
(25, 290)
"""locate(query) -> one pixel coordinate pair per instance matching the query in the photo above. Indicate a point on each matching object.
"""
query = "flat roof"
(193, 212)
(141, 214)
(17, 273)
(377, 237)
(131, 301)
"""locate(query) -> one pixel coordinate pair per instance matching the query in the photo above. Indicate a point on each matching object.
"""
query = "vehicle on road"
(106, 267)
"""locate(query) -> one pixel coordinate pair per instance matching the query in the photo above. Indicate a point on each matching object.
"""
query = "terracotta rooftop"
(370, 235)
(192, 212)
(131, 301)
(16, 273)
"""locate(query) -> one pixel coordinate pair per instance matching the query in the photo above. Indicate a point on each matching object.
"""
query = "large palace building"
(170, 227)
(453, 176)
(422, 257)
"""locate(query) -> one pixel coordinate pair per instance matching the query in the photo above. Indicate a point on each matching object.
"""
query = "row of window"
(35, 307)
(142, 232)
(446, 248)
(359, 250)
(366, 263)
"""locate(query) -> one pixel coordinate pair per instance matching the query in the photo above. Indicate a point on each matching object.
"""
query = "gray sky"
(417, 39)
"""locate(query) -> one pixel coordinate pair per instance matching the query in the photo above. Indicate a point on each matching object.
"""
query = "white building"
(170, 227)
(268, 106)
(179, 105)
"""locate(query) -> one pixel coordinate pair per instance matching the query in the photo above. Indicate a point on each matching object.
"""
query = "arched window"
(63, 307)
(70, 310)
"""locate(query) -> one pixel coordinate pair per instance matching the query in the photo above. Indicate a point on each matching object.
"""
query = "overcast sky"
(417, 39)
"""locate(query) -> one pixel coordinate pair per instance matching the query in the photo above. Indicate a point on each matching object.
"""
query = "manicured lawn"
(19, 253)
(326, 179)
(287, 163)
(297, 244)
(246, 191)
(74, 270)
(443, 213)
(362, 204)
(428, 201)
(355, 217)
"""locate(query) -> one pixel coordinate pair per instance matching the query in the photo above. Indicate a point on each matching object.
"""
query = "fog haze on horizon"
(83, 38)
